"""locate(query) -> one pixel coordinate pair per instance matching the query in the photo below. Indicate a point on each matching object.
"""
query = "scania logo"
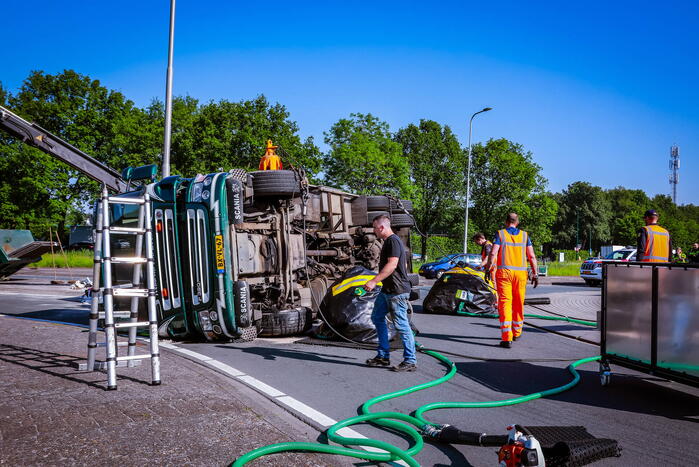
(237, 210)
(243, 298)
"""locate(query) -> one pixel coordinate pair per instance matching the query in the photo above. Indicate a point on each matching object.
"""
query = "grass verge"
(72, 259)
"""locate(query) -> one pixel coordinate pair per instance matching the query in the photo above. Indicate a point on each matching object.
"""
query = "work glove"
(535, 280)
(488, 276)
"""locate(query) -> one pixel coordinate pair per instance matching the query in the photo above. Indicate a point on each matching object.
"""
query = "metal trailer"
(18, 249)
(650, 320)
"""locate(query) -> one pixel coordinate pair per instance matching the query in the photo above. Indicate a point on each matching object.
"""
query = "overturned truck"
(238, 254)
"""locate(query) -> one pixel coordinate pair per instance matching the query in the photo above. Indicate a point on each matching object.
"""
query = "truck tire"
(275, 183)
(285, 322)
(407, 204)
(414, 279)
(377, 203)
(401, 220)
(370, 216)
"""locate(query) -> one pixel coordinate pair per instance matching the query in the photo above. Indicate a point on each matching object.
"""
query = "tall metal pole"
(577, 233)
(168, 94)
(468, 177)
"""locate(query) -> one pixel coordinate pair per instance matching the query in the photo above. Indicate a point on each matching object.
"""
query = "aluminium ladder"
(103, 267)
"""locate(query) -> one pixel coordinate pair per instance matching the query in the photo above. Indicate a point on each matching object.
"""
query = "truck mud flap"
(243, 309)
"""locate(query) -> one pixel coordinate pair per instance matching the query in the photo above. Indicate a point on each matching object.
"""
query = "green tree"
(504, 178)
(364, 159)
(436, 163)
(224, 135)
(587, 206)
(627, 207)
(41, 190)
(681, 221)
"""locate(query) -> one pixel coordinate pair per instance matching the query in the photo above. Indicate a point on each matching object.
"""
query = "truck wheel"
(377, 203)
(414, 279)
(275, 183)
(285, 322)
(407, 204)
(401, 220)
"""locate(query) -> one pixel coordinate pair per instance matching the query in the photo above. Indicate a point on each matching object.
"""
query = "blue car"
(435, 269)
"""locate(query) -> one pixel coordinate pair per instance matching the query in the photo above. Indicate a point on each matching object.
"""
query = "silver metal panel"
(629, 306)
(678, 320)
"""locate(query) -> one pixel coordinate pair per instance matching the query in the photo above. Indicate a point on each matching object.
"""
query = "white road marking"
(260, 386)
(193, 354)
(307, 411)
(225, 368)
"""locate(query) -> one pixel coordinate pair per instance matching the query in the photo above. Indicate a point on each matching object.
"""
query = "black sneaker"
(405, 366)
(515, 338)
(506, 344)
(378, 361)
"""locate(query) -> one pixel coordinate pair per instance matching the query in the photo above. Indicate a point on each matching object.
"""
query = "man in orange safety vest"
(512, 248)
(654, 242)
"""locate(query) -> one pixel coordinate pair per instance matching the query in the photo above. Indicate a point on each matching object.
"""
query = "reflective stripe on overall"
(511, 279)
(657, 244)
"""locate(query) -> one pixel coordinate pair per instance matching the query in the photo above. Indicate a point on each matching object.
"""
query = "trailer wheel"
(370, 216)
(407, 204)
(285, 322)
(377, 203)
(401, 220)
(275, 183)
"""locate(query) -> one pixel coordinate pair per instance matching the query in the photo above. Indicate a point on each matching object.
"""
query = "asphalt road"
(655, 421)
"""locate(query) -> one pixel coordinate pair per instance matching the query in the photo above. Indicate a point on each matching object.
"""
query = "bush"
(71, 259)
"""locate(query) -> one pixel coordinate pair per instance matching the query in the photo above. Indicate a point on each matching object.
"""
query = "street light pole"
(577, 230)
(168, 94)
(468, 176)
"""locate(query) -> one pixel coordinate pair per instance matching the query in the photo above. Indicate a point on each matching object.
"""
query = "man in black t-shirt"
(393, 298)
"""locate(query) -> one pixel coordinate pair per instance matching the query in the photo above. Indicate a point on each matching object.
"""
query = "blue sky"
(597, 91)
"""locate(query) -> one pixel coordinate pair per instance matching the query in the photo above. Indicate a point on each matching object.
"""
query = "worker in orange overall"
(512, 248)
(270, 161)
(654, 242)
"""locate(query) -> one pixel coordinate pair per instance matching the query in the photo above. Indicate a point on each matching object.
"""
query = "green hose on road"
(530, 315)
(388, 420)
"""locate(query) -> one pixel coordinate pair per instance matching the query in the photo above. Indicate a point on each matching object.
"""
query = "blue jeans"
(397, 305)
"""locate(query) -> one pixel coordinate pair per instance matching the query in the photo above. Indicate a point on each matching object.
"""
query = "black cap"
(650, 213)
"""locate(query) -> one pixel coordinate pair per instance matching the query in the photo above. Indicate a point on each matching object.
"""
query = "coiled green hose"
(389, 420)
